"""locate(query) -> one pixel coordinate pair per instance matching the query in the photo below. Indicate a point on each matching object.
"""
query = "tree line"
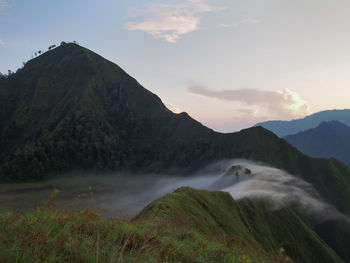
(36, 54)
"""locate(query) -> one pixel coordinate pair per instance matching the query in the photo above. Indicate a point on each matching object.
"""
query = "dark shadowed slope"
(70, 109)
(250, 221)
(329, 139)
(284, 128)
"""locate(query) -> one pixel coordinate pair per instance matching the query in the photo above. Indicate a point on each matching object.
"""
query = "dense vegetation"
(49, 235)
(70, 109)
(252, 221)
(185, 226)
(329, 139)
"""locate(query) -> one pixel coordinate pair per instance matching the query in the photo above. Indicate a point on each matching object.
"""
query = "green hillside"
(50, 235)
(70, 109)
(252, 222)
(187, 225)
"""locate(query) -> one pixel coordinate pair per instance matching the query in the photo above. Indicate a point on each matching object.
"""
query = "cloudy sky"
(228, 63)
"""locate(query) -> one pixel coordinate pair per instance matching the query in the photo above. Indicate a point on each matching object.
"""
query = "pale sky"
(228, 63)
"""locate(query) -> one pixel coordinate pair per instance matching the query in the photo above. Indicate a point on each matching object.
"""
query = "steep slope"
(284, 128)
(337, 235)
(70, 109)
(86, 111)
(250, 221)
(329, 139)
(51, 235)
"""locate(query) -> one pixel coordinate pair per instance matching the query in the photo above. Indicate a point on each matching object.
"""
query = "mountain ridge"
(329, 139)
(284, 128)
(252, 221)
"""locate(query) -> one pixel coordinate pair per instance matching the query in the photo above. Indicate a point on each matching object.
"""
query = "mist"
(281, 189)
(124, 195)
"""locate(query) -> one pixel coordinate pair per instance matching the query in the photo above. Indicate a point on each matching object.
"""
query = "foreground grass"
(51, 235)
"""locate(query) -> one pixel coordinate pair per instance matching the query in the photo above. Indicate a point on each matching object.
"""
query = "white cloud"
(170, 21)
(224, 25)
(283, 104)
(173, 108)
(2, 43)
(249, 21)
(243, 21)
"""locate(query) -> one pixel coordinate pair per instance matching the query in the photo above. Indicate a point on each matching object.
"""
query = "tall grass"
(52, 235)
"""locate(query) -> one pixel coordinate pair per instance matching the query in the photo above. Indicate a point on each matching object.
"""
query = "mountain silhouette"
(284, 128)
(329, 139)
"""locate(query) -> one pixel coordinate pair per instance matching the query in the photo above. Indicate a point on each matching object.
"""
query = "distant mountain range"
(329, 139)
(284, 128)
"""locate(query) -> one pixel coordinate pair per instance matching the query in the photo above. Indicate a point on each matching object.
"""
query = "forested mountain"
(329, 139)
(70, 109)
(284, 128)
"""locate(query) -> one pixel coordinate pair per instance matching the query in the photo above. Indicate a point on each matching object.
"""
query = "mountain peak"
(333, 124)
(328, 139)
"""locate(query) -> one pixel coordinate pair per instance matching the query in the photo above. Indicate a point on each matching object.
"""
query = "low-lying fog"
(124, 195)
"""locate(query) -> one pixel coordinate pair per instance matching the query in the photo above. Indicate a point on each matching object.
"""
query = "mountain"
(70, 109)
(251, 221)
(284, 128)
(329, 139)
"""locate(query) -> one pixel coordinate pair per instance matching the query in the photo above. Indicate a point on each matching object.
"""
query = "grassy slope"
(49, 235)
(252, 222)
(208, 211)
(187, 225)
(337, 234)
(284, 228)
